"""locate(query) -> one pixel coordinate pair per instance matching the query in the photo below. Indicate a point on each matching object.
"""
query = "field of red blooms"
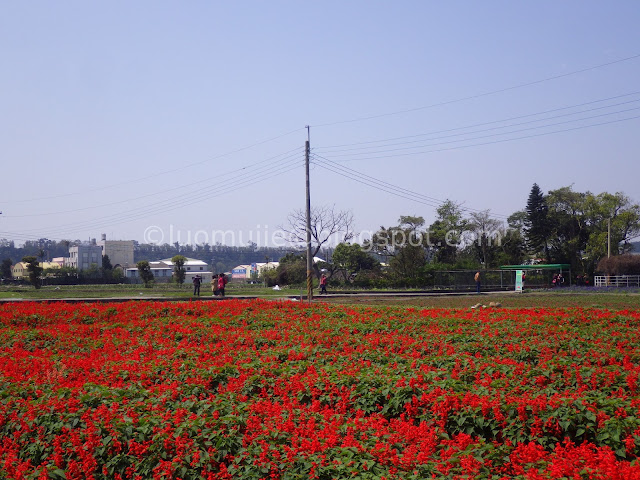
(282, 390)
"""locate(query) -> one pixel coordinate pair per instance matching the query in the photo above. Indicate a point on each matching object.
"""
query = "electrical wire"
(177, 202)
(413, 147)
(389, 187)
(491, 142)
(179, 187)
(66, 233)
(327, 149)
(157, 174)
(480, 95)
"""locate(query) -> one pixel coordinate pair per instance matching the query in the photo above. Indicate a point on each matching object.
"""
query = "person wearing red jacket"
(222, 281)
(323, 284)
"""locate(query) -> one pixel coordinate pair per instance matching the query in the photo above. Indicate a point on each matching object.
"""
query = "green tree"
(34, 270)
(445, 234)
(537, 225)
(62, 274)
(513, 244)
(107, 268)
(106, 262)
(179, 271)
(405, 245)
(350, 259)
(5, 269)
(579, 226)
(146, 275)
(570, 228)
(517, 221)
(117, 275)
(614, 213)
(292, 269)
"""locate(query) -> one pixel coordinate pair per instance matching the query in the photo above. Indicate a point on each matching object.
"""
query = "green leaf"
(57, 473)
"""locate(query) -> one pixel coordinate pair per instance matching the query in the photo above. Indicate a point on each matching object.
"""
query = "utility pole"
(609, 237)
(307, 150)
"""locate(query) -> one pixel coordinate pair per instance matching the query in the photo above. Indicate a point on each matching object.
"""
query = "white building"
(163, 270)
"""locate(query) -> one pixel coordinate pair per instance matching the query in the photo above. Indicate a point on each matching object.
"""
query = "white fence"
(617, 281)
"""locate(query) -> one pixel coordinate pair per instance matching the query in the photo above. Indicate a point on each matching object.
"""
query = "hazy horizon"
(120, 117)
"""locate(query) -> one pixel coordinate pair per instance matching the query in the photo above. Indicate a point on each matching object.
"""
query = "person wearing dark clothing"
(476, 278)
(196, 285)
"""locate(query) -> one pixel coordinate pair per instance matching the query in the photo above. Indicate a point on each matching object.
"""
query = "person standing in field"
(222, 281)
(476, 278)
(196, 285)
(323, 284)
(214, 285)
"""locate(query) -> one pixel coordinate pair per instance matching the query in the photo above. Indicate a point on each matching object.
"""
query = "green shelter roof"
(546, 266)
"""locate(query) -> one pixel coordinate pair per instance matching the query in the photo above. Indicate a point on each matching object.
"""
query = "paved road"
(245, 297)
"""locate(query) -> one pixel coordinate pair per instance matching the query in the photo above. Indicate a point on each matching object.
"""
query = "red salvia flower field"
(282, 390)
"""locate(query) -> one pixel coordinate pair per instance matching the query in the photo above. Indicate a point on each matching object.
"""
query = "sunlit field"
(257, 389)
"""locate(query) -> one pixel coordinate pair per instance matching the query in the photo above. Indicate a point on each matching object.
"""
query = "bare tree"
(327, 223)
(487, 233)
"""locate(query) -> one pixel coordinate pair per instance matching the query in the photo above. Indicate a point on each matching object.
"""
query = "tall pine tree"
(537, 225)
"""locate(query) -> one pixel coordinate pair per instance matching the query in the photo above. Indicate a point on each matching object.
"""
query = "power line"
(495, 141)
(179, 187)
(111, 220)
(176, 202)
(388, 187)
(66, 232)
(480, 95)
(393, 139)
(157, 174)
(337, 154)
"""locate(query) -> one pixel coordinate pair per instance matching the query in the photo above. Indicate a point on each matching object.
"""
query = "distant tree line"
(222, 258)
(43, 249)
(561, 226)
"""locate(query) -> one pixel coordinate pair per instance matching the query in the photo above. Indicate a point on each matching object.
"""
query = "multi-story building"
(81, 257)
(120, 252)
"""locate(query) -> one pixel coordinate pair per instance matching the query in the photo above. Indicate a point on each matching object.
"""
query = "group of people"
(557, 280)
(218, 283)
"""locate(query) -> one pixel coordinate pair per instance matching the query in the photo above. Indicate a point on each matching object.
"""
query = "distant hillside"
(636, 247)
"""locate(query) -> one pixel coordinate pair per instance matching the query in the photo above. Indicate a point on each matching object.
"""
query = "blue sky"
(190, 117)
